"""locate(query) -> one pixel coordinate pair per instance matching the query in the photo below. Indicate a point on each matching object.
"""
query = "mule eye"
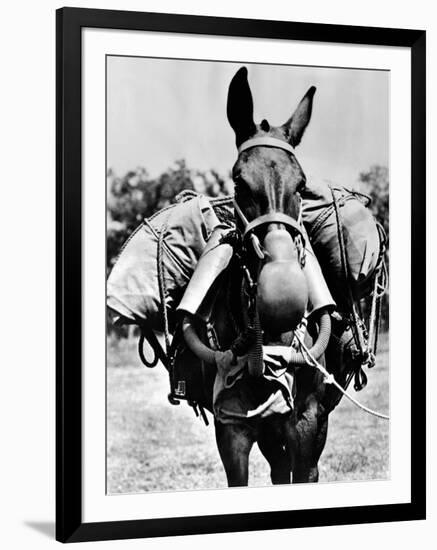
(241, 183)
(301, 187)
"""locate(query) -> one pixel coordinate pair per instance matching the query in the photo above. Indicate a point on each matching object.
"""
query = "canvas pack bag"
(167, 245)
(350, 221)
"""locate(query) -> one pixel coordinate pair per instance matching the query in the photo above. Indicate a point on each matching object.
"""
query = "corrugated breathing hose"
(297, 359)
(205, 353)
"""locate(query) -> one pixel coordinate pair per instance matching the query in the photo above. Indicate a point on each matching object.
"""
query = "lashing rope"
(329, 379)
(169, 353)
(362, 341)
(162, 286)
(149, 364)
(162, 298)
(379, 288)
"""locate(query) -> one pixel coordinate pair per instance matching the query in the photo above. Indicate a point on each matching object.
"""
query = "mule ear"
(240, 107)
(295, 126)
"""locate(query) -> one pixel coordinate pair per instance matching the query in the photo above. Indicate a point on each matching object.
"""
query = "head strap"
(265, 141)
(271, 217)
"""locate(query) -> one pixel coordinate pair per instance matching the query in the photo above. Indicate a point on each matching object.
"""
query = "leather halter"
(266, 141)
(274, 217)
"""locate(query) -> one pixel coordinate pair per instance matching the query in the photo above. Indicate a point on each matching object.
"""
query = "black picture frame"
(69, 524)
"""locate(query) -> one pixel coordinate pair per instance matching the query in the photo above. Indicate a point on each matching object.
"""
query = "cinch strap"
(266, 142)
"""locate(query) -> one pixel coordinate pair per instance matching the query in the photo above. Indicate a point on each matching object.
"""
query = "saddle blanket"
(238, 396)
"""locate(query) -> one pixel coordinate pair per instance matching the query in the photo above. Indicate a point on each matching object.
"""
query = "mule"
(268, 181)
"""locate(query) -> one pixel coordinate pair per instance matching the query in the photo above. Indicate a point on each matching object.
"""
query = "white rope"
(329, 379)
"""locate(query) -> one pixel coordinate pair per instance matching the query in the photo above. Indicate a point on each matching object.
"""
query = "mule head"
(268, 180)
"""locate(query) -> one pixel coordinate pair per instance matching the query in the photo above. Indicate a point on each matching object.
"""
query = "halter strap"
(265, 141)
(274, 217)
(271, 217)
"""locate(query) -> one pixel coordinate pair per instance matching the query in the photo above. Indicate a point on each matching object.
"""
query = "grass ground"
(154, 446)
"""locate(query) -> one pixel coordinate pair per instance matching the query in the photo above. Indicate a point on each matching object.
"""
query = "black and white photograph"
(247, 263)
(217, 275)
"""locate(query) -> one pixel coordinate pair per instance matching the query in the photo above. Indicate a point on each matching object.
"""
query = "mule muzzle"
(282, 290)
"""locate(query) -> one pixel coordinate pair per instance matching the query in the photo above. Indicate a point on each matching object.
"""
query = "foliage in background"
(374, 182)
(136, 196)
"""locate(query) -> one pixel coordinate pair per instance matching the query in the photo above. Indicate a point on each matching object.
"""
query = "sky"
(161, 110)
